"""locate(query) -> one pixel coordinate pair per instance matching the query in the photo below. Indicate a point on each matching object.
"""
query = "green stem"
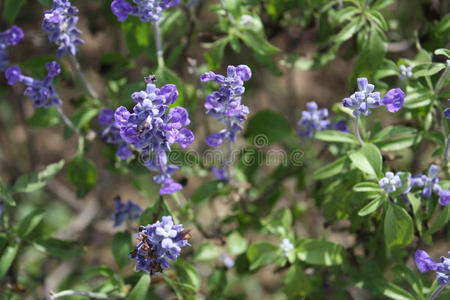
(66, 119)
(158, 44)
(357, 133)
(87, 85)
(79, 293)
(436, 292)
(440, 83)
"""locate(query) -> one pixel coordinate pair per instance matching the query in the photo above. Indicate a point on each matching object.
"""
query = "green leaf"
(371, 207)
(44, 117)
(348, 31)
(268, 127)
(257, 42)
(121, 247)
(34, 181)
(56, 247)
(391, 290)
(398, 227)
(214, 56)
(12, 9)
(236, 243)
(206, 191)
(140, 291)
(98, 271)
(7, 258)
(417, 97)
(82, 173)
(442, 51)
(368, 159)
(413, 279)
(336, 136)
(427, 69)
(393, 131)
(367, 187)
(332, 169)
(320, 252)
(296, 283)
(217, 282)
(207, 251)
(441, 221)
(29, 223)
(261, 254)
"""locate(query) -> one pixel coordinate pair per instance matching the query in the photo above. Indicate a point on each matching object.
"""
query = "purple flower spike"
(125, 212)
(60, 24)
(394, 100)
(152, 128)
(146, 10)
(364, 99)
(41, 92)
(159, 243)
(313, 120)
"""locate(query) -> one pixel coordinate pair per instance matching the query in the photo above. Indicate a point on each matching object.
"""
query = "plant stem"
(357, 133)
(87, 85)
(158, 44)
(436, 292)
(230, 16)
(447, 145)
(79, 293)
(366, 4)
(66, 119)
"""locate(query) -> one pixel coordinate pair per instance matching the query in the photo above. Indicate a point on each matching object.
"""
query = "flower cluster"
(390, 183)
(425, 263)
(225, 104)
(447, 112)
(111, 133)
(405, 72)
(430, 184)
(146, 10)
(60, 25)
(227, 260)
(2, 204)
(365, 99)
(286, 247)
(125, 211)
(41, 92)
(150, 129)
(314, 119)
(158, 243)
(9, 37)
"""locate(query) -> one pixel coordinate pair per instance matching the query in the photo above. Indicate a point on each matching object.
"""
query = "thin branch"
(87, 85)
(79, 293)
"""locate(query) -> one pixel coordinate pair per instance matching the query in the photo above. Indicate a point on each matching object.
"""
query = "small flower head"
(60, 24)
(159, 243)
(125, 211)
(2, 205)
(146, 10)
(430, 183)
(341, 126)
(424, 262)
(227, 260)
(447, 112)
(444, 197)
(405, 72)
(390, 183)
(364, 99)
(313, 120)
(393, 100)
(41, 92)
(286, 247)
(9, 37)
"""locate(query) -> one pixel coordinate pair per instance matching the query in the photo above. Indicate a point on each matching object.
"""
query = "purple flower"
(125, 211)
(313, 119)
(405, 72)
(151, 129)
(341, 126)
(227, 260)
(9, 37)
(390, 183)
(111, 133)
(146, 10)
(447, 112)
(286, 246)
(159, 243)
(41, 92)
(430, 185)
(225, 104)
(393, 100)
(364, 99)
(2, 205)
(444, 197)
(221, 173)
(60, 24)
(425, 263)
